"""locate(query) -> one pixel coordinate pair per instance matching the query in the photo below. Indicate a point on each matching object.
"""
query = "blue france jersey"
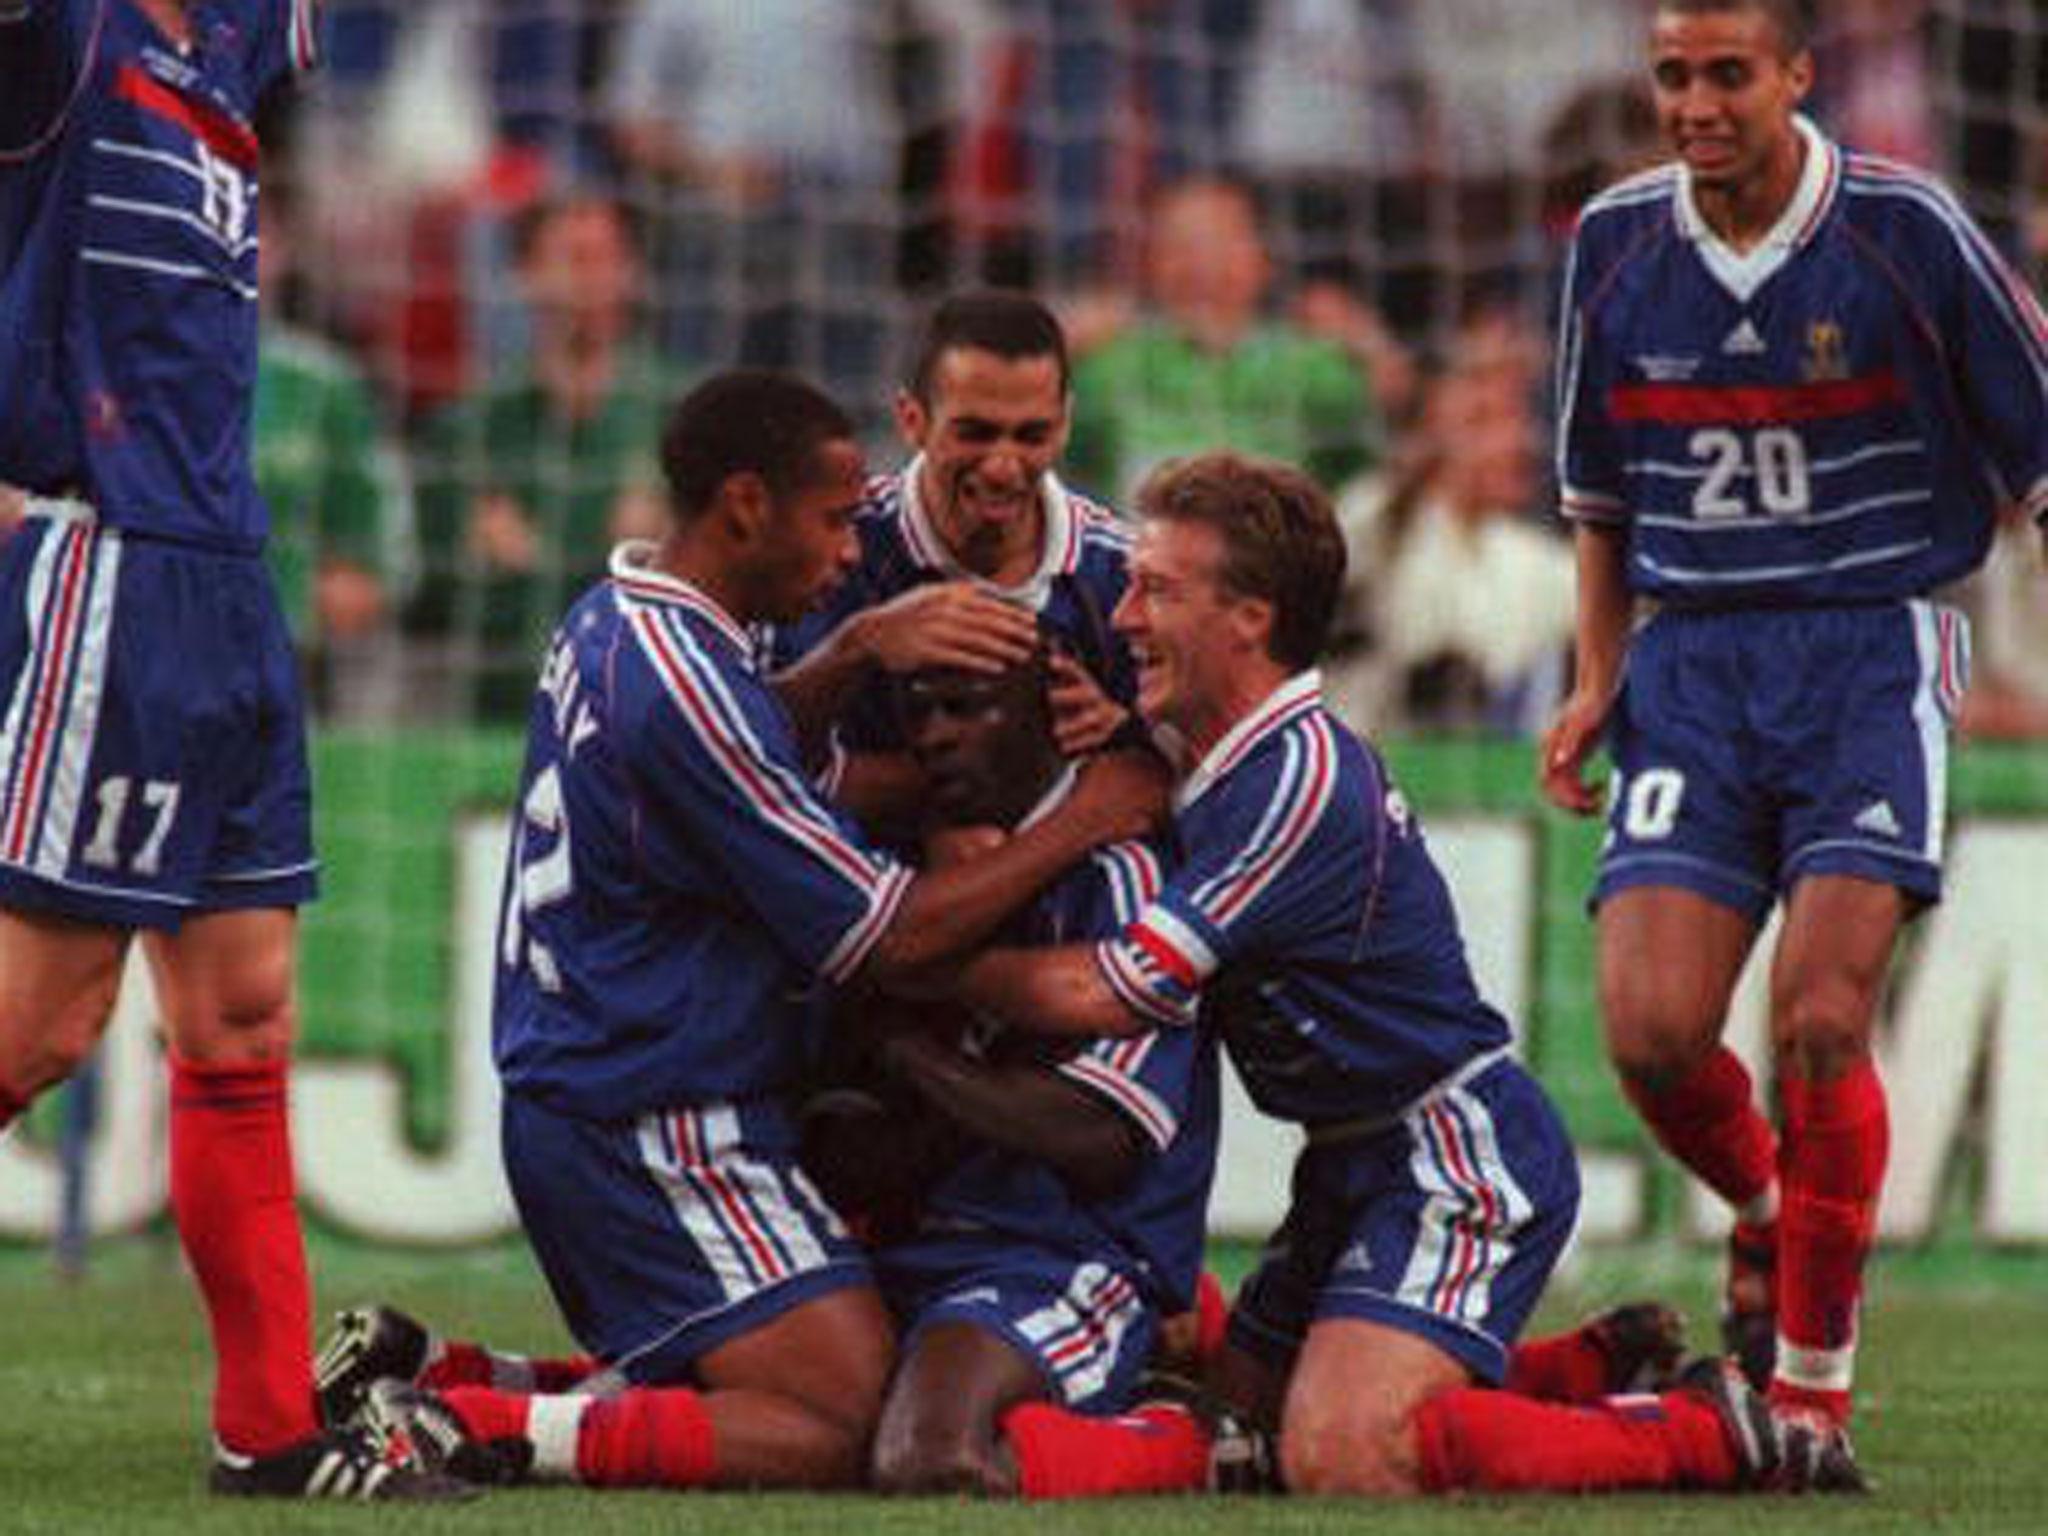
(1307, 923)
(1078, 583)
(676, 887)
(1165, 1082)
(1833, 416)
(128, 258)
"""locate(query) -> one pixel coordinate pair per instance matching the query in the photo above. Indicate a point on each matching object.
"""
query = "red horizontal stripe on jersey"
(1164, 955)
(1753, 404)
(234, 142)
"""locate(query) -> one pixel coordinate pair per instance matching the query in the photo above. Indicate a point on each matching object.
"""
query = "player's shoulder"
(1099, 526)
(1631, 203)
(1898, 200)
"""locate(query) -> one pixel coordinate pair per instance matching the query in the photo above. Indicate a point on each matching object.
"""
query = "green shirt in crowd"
(335, 488)
(568, 477)
(1150, 394)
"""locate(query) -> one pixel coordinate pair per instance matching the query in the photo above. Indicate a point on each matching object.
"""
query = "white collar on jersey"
(1057, 539)
(634, 573)
(1744, 272)
(1304, 690)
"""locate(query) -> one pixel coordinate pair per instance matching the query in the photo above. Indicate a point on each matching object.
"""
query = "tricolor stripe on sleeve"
(778, 793)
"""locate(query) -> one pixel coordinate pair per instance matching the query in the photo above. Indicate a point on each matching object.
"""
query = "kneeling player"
(677, 893)
(1306, 924)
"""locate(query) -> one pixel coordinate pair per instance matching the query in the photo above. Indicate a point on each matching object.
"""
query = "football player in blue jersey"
(1306, 924)
(678, 899)
(967, 551)
(152, 749)
(1796, 386)
(1034, 1278)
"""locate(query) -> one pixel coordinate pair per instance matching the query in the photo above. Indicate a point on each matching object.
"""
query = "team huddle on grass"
(896, 858)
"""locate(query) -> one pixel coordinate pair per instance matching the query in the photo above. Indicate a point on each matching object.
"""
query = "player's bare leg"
(969, 1413)
(1669, 962)
(1335, 1439)
(1827, 980)
(796, 1401)
(939, 1425)
(58, 981)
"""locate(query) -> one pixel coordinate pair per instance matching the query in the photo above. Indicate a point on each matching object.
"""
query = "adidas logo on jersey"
(1743, 341)
(1878, 817)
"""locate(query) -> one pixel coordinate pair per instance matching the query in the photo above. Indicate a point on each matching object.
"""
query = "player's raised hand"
(1126, 793)
(1084, 718)
(1566, 746)
(949, 624)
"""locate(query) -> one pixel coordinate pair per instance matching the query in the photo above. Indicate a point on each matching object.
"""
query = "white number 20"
(1774, 459)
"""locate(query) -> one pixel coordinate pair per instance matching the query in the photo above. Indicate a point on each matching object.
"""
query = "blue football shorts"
(1445, 1223)
(1084, 1323)
(665, 1236)
(153, 746)
(1753, 748)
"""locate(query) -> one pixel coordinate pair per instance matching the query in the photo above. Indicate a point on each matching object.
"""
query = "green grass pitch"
(103, 1390)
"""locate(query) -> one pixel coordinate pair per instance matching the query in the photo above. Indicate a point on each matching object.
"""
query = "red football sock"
(1837, 1141)
(460, 1363)
(1480, 1440)
(650, 1437)
(1711, 1123)
(1061, 1454)
(1559, 1368)
(233, 1195)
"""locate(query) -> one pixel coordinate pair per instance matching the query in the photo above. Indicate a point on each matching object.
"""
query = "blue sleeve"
(1997, 342)
(284, 40)
(1149, 1079)
(1589, 467)
(1270, 859)
(717, 758)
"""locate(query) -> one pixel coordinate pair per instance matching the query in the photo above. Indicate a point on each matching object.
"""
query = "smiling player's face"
(991, 428)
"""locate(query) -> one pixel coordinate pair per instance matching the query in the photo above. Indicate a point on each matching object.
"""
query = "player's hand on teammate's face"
(1127, 792)
(1566, 746)
(950, 624)
(501, 535)
(1084, 718)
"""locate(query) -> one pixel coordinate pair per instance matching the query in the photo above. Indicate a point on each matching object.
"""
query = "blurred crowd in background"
(502, 234)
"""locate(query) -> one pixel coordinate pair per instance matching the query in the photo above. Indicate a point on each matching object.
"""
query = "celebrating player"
(1307, 924)
(969, 549)
(677, 892)
(1795, 387)
(152, 761)
(1033, 1287)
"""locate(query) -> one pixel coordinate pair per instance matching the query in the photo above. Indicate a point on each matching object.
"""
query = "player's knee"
(242, 1031)
(39, 1052)
(1652, 1058)
(1331, 1463)
(1825, 1027)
